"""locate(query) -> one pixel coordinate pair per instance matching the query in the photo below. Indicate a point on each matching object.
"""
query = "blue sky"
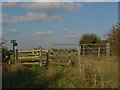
(38, 24)
(59, 0)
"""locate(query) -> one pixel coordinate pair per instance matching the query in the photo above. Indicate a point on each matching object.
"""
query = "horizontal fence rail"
(81, 52)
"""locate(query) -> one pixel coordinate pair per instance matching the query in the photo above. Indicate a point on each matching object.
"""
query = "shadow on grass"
(45, 82)
(29, 78)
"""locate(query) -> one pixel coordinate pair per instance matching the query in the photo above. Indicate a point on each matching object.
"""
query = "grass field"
(106, 71)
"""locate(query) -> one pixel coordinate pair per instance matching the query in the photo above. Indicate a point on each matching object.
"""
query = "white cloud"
(52, 6)
(9, 31)
(13, 30)
(71, 35)
(46, 6)
(0, 18)
(11, 4)
(66, 29)
(36, 0)
(98, 9)
(60, 0)
(29, 17)
(0, 33)
(52, 0)
(44, 33)
(97, 0)
(3, 17)
(0, 4)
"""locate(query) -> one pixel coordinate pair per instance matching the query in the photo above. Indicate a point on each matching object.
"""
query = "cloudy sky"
(37, 24)
(59, 0)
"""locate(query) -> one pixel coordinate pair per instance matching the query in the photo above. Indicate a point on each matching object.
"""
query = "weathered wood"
(28, 57)
(15, 54)
(58, 58)
(98, 52)
(32, 51)
(108, 49)
(79, 52)
(69, 59)
(47, 58)
(30, 63)
(40, 55)
(83, 50)
(68, 56)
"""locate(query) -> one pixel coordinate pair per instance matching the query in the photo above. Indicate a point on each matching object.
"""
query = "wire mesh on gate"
(63, 54)
(68, 53)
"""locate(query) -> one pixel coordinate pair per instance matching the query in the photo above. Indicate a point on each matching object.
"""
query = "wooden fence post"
(98, 52)
(16, 54)
(69, 60)
(33, 51)
(79, 52)
(47, 58)
(83, 50)
(58, 58)
(108, 49)
(40, 55)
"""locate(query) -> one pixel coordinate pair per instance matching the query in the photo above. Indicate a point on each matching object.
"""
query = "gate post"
(40, 56)
(79, 52)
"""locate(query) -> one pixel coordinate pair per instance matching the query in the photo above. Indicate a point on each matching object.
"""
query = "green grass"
(55, 76)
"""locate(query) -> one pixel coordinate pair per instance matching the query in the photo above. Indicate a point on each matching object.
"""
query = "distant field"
(55, 76)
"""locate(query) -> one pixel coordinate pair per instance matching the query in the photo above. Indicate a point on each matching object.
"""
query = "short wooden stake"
(58, 58)
(108, 49)
(101, 81)
(33, 51)
(98, 52)
(47, 58)
(69, 60)
(83, 50)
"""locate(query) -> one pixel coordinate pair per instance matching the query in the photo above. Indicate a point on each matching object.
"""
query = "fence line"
(81, 52)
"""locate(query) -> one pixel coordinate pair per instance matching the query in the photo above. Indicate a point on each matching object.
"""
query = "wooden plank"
(23, 51)
(45, 50)
(29, 63)
(28, 57)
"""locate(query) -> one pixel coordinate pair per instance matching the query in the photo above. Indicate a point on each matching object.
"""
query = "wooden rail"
(82, 51)
(28, 57)
(30, 63)
(24, 51)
